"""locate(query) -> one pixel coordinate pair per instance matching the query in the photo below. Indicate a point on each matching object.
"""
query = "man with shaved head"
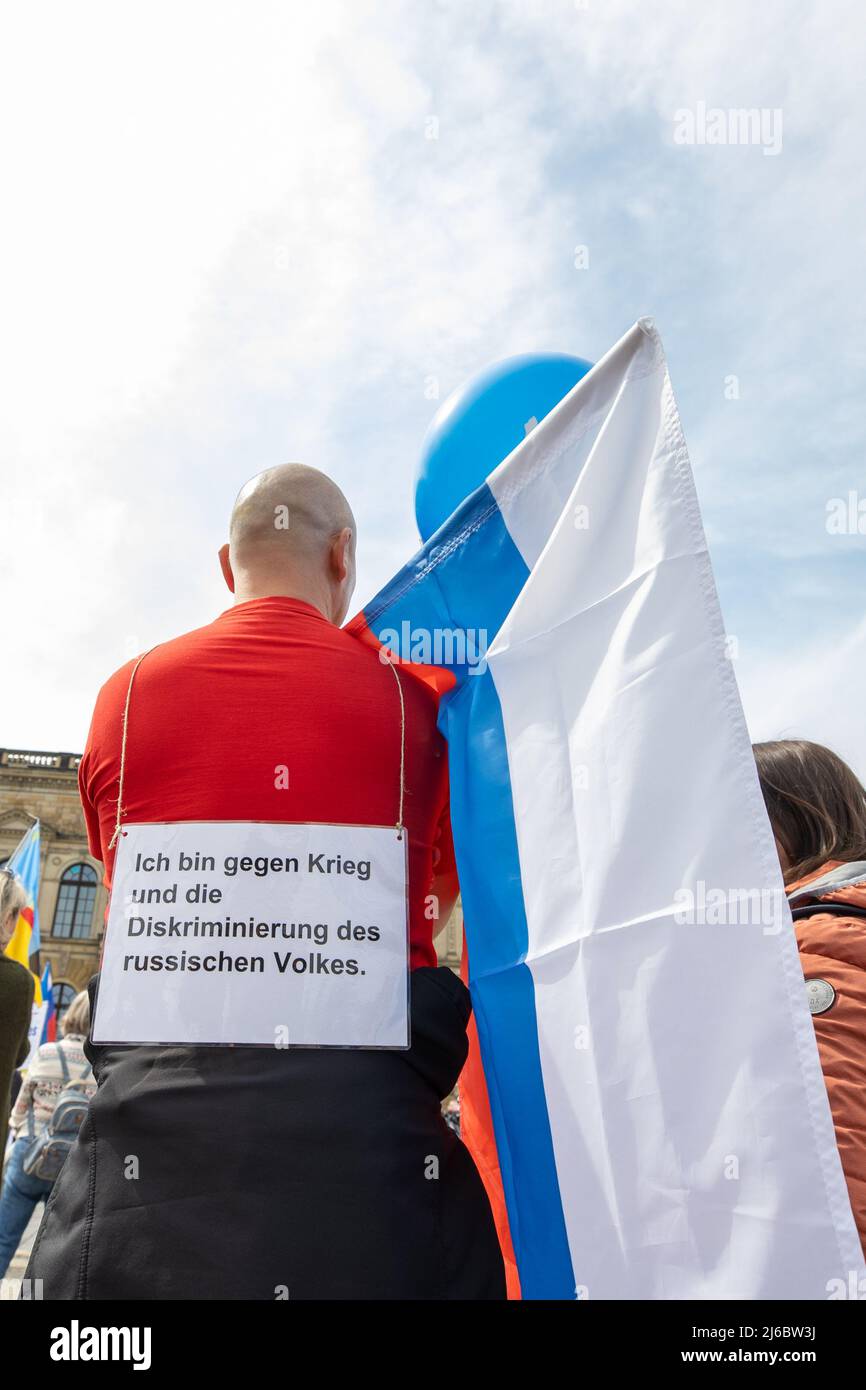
(292, 532)
(233, 1172)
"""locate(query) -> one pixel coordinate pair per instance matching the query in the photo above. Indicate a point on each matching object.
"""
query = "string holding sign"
(206, 917)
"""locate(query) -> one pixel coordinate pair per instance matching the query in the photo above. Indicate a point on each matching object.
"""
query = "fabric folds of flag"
(49, 1022)
(661, 1123)
(25, 865)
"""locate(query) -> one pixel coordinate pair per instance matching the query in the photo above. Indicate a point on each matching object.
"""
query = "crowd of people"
(39, 1140)
(235, 1172)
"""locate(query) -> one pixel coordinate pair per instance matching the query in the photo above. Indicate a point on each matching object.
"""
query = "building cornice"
(39, 759)
(29, 769)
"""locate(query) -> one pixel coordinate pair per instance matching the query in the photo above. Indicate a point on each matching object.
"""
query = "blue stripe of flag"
(468, 577)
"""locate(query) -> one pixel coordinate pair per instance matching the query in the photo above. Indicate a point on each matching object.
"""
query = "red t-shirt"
(271, 684)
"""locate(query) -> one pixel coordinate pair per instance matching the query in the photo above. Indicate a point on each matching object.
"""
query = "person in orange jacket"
(817, 810)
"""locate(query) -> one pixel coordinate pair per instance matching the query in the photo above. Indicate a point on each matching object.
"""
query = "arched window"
(73, 914)
(63, 995)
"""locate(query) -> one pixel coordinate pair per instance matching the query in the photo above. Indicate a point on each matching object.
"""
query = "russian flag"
(660, 1121)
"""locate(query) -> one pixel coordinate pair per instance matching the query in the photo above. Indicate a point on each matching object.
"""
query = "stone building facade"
(72, 899)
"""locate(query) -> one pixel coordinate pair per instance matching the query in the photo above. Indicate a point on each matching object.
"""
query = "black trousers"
(248, 1173)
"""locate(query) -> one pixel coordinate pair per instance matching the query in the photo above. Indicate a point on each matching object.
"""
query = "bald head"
(292, 533)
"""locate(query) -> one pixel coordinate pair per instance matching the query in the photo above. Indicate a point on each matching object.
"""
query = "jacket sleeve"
(833, 949)
(24, 1044)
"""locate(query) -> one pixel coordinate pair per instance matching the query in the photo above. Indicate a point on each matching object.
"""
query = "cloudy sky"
(239, 234)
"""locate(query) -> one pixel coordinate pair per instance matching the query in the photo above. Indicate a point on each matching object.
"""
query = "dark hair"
(816, 805)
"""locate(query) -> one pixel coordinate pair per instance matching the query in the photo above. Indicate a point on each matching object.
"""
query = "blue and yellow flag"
(24, 864)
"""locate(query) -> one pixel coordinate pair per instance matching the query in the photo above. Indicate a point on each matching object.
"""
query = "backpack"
(46, 1154)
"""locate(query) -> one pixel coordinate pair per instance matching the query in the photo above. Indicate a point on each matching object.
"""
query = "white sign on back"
(258, 933)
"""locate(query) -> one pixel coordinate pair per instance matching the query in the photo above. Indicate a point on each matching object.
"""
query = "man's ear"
(341, 554)
(226, 567)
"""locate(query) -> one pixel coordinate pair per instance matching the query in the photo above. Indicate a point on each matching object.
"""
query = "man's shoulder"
(369, 658)
(174, 650)
(375, 662)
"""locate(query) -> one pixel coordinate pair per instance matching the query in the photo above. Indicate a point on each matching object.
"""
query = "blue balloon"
(479, 425)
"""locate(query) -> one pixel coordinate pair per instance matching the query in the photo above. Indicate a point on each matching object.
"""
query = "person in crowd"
(817, 811)
(16, 999)
(259, 1172)
(53, 1067)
